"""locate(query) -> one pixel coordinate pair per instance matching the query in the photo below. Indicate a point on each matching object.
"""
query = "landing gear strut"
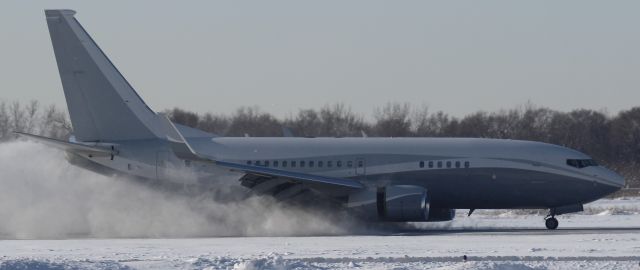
(551, 222)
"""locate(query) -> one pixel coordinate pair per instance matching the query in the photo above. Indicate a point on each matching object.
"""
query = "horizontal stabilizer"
(102, 150)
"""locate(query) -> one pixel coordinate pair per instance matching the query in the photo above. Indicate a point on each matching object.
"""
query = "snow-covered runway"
(607, 236)
(493, 250)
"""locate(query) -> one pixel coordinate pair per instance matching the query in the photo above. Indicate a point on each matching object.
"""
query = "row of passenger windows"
(304, 163)
(348, 163)
(442, 164)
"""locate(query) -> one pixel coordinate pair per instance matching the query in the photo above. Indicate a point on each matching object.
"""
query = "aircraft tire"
(551, 223)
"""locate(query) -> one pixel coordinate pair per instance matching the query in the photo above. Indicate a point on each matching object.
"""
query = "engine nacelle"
(403, 203)
(392, 203)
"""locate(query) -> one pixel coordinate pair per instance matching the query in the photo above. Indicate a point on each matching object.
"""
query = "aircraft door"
(361, 166)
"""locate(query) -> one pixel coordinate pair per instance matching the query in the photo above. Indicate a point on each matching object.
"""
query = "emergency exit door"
(361, 167)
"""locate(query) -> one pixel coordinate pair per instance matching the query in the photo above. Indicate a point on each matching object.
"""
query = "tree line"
(33, 118)
(612, 140)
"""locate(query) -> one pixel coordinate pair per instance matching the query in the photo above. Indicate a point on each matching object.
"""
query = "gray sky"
(456, 56)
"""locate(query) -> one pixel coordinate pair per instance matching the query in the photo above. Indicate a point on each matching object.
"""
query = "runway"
(497, 248)
(521, 231)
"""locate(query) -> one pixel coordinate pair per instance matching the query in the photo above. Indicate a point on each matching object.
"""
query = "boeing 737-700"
(387, 179)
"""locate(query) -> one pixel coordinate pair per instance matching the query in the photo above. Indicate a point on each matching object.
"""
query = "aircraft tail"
(102, 104)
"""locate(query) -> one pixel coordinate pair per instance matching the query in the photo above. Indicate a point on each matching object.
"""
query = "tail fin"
(102, 104)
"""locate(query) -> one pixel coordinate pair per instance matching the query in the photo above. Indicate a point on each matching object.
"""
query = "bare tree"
(307, 123)
(5, 121)
(31, 116)
(534, 124)
(338, 120)
(393, 120)
(217, 124)
(183, 117)
(250, 121)
(17, 117)
(55, 124)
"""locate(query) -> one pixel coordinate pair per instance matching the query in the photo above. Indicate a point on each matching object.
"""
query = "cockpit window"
(581, 163)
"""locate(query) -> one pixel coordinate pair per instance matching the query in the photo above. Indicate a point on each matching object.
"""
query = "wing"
(323, 184)
(257, 176)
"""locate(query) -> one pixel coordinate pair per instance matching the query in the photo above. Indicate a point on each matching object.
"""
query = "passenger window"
(430, 164)
(339, 163)
(329, 163)
(421, 164)
(248, 162)
(466, 164)
(257, 162)
(439, 164)
(349, 163)
(320, 163)
(293, 163)
(302, 163)
(266, 163)
(457, 164)
(360, 163)
(448, 164)
(284, 163)
(311, 163)
(275, 163)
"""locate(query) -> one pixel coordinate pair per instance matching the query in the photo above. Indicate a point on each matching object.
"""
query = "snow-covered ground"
(445, 251)
(604, 237)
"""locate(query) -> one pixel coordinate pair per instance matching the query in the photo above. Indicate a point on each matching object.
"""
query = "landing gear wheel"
(551, 223)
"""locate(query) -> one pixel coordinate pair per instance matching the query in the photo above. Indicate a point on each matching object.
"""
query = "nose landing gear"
(551, 222)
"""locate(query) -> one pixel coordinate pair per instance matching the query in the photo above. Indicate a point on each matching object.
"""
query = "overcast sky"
(460, 57)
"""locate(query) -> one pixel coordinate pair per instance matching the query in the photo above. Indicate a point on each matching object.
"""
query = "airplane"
(382, 179)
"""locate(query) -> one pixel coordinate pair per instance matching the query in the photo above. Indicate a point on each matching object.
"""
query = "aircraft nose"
(612, 177)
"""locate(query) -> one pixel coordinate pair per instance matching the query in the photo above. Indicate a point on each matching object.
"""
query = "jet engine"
(392, 203)
(400, 203)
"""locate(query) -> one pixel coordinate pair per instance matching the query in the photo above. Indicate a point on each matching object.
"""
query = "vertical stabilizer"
(102, 104)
